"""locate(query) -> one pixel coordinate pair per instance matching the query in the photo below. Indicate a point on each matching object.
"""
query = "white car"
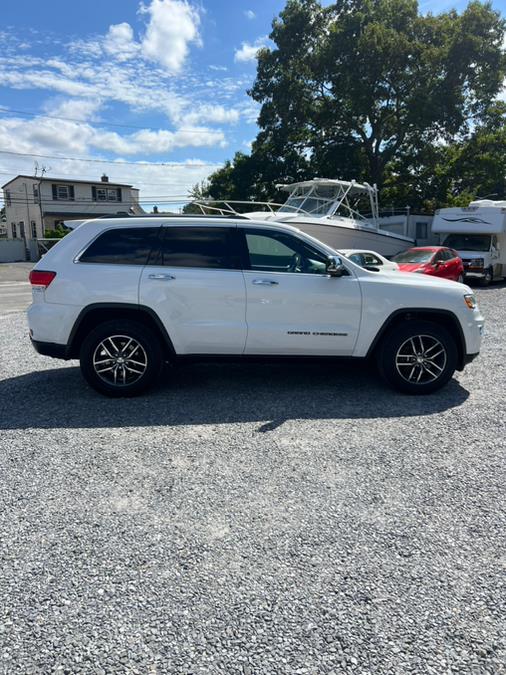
(124, 295)
(370, 259)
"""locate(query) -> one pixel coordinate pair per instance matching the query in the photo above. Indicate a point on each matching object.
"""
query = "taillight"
(40, 278)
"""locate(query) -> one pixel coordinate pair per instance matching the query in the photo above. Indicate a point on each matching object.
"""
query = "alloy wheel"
(120, 360)
(420, 359)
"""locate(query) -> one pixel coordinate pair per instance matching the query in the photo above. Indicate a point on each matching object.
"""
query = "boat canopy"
(335, 183)
(327, 197)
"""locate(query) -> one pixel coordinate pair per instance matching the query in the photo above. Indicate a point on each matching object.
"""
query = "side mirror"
(335, 267)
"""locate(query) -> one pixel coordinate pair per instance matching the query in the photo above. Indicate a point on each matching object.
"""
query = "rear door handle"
(265, 282)
(161, 277)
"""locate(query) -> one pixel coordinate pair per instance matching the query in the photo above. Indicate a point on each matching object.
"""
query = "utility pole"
(43, 170)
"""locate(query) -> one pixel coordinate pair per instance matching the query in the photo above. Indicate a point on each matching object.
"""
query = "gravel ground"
(252, 519)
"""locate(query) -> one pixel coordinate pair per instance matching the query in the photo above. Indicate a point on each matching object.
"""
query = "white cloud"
(250, 14)
(219, 68)
(248, 52)
(173, 25)
(74, 108)
(46, 135)
(217, 114)
(119, 42)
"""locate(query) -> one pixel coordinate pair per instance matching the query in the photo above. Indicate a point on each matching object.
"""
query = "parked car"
(124, 295)
(438, 261)
(370, 260)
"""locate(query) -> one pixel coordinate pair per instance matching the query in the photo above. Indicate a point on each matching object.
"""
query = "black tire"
(489, 278)
(135, 371)
(394, 357)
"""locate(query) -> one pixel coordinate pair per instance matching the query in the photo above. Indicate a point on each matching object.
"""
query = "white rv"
(478, 233)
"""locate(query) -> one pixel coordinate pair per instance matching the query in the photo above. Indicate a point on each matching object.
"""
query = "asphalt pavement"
(251, 519)
(15, 290)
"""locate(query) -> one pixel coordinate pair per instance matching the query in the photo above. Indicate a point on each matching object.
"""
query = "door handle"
(264, 282)
(161, 277)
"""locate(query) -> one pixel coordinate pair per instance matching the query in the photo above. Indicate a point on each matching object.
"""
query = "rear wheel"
(121, 358)
(418, 357)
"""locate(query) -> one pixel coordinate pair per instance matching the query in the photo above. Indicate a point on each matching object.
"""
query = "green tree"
(352, 89)
(454, 174)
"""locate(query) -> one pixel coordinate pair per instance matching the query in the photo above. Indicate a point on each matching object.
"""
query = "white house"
(34, 204)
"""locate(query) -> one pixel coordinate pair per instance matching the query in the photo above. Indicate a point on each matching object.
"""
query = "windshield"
(413, 256)
(292, 205)
(313, 205)
(468, 242)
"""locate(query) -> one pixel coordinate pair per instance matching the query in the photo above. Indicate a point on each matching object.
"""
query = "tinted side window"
(371, 259)
(358, 259)
(128, 246)
(205, 247)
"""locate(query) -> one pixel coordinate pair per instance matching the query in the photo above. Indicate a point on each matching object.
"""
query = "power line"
(93, 179)
(4, 110)
(164, 199)
(180, 165)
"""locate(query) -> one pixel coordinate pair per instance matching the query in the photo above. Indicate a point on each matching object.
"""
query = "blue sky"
(134, 84)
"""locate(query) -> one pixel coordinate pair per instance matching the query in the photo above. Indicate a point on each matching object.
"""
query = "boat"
(327, 209)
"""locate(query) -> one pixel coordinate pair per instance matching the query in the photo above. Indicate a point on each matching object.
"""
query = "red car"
(438, 261)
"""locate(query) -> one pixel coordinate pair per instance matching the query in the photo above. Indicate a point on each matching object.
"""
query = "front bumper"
(475, 274)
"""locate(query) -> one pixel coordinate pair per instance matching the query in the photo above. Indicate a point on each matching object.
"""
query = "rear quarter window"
(122, 246)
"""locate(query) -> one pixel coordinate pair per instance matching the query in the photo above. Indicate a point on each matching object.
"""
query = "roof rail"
(173, 215)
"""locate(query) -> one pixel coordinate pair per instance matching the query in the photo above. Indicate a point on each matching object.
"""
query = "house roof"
(88, 215)
(47, 179)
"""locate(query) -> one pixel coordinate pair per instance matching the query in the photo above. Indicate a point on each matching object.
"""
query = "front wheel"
(121, 358)
(488, 278)
(418, 357)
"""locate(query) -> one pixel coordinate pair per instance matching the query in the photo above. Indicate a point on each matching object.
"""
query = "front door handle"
(265, 282)
(161, 277)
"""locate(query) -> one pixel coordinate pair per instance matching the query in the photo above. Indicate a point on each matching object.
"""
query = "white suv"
(124, 295)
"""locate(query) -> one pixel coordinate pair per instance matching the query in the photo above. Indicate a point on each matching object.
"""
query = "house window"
(421, 230)
(33, 225)
(8, 198)
(14, 231)
(63, 192)
(35, 192)
(103, 194)
(22, 229)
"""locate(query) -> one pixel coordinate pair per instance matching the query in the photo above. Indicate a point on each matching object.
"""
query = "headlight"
(470, 301)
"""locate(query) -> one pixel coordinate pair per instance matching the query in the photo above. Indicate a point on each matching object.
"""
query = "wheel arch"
(97, 313)
(441, 317)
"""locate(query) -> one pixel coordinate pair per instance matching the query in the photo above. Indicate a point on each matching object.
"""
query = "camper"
(478, 233)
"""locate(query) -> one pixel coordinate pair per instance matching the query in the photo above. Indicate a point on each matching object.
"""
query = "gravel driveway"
(252, 519)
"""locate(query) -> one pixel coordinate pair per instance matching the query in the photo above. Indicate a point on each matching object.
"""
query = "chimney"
(105, 178)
